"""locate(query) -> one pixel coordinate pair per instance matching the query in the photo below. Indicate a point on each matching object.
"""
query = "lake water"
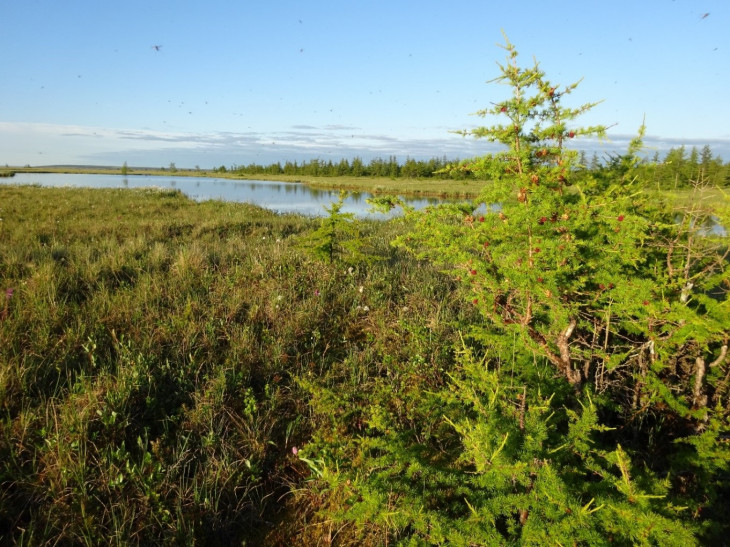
(282, 197)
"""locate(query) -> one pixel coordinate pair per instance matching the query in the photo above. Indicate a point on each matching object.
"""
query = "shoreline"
(414, 187)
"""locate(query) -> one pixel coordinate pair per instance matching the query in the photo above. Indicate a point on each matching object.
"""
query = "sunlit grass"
(149, 347)
(425, 187)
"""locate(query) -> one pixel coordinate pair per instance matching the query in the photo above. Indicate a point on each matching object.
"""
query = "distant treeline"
(378, 167)
(678, 168)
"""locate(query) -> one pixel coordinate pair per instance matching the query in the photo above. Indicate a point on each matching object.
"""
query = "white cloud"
(47, 144)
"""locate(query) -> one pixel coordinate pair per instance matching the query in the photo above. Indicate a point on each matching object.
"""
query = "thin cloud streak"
(44, 144)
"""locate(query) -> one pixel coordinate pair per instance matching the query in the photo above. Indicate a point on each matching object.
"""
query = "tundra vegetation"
(546, 364)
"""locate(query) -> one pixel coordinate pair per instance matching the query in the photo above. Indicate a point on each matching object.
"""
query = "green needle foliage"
(338, 236)
(597, 411)
(533, 251)
(607, 286)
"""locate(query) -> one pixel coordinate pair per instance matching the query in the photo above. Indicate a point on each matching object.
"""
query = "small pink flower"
(8, 294)
(294, 450)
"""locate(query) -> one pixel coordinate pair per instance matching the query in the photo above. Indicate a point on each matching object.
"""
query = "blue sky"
(241, 82)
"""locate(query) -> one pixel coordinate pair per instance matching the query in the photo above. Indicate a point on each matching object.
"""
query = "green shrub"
(599, 410)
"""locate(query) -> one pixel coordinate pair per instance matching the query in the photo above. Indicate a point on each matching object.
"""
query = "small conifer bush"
(587, 403)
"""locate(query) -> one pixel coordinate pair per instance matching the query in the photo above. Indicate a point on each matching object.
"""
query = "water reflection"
(282, 197)
(708, 225)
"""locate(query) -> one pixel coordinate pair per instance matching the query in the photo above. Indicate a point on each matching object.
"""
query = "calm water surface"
(282, 197)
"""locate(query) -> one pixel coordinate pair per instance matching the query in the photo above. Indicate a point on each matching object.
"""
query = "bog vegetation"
(546, 364)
